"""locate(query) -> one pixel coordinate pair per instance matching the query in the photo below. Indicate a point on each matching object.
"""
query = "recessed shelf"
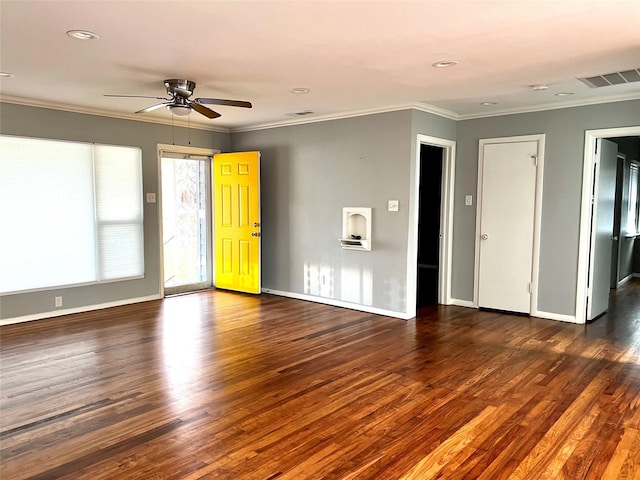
(356, 228)
(351, 244)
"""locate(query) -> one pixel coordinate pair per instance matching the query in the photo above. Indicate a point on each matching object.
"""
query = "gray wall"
(564, 154)
(308, 174)
(56, 124)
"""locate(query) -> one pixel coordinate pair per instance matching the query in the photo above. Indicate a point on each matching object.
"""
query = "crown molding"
(552, 106)
(441, 112)
(106, 113)
(344, 115)
(422, 107)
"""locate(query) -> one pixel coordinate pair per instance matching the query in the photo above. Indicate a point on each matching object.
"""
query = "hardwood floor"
(227, 386)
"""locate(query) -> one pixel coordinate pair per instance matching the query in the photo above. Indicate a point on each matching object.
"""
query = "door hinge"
(535, 160)
(529, 287)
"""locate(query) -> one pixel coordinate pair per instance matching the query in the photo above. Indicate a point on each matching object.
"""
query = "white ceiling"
(355, 56)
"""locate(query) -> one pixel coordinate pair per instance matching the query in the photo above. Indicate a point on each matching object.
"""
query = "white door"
(507, 220)
(604, 195)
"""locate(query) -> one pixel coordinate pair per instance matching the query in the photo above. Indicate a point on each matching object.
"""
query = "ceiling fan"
(179, 103)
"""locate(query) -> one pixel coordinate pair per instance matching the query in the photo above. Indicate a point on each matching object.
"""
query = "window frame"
(633, 210)
(98, 276)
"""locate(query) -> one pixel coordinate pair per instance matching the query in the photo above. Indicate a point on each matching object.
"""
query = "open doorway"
(437, 261)
(589, 268)
(625, 260)
(185, 216)
(429, 206)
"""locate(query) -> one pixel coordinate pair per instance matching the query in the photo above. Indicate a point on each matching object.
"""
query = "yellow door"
(236, 187)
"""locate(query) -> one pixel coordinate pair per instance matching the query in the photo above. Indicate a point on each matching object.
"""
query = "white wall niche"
(356, 228)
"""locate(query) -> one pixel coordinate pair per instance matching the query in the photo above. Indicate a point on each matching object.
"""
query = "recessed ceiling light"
(488, 104)
(300, 90)
(564, 94)
(83, 35)
(539, 87)
(6, 75)
(444, 63)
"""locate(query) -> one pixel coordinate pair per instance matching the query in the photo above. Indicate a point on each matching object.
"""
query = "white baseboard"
(68, 311)
(339, 303)
(539, 314)
(555, 316)
(462, 303)
(626, 279)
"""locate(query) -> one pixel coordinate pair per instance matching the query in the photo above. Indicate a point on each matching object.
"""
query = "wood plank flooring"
(226, 386)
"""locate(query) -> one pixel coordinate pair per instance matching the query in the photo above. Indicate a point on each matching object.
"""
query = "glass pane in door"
(185, 224)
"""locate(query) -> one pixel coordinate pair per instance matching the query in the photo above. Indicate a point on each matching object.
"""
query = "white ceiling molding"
(319, 118)
(553, 106)
(106, 113)
(337, 116)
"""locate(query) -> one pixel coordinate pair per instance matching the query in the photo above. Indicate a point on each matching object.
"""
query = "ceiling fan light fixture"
(6, 75)
(83, 35)
(180, 110)
(300, 90)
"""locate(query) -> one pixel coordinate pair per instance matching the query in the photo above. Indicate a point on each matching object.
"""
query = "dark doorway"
(429, 224)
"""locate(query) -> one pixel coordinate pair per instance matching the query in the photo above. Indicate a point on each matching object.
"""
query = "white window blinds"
(70, 213)
(118, 184)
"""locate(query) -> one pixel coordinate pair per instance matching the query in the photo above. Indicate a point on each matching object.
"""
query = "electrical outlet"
(58, 301)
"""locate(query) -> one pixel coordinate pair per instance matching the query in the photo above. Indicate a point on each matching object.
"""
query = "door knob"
(484, 236)
(614, 238)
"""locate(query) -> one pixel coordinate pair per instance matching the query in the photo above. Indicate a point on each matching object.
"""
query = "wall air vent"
(615, 78)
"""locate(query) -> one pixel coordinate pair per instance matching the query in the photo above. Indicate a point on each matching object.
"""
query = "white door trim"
(590, 137)
(446, 222)
(540, 138)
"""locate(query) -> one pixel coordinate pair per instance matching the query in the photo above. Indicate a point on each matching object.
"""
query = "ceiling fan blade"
(153, 107)
(135, 96)
(207, 112)
(219, 101)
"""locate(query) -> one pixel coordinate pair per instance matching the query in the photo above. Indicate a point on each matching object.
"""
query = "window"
(70, 213)
(633, 214)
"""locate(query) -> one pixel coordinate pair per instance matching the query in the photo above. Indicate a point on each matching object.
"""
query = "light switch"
(393, 205)
(151, 198)
(468, 200)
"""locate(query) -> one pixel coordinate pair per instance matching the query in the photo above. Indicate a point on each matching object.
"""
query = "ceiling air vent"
(615, 78)
(301, 114)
